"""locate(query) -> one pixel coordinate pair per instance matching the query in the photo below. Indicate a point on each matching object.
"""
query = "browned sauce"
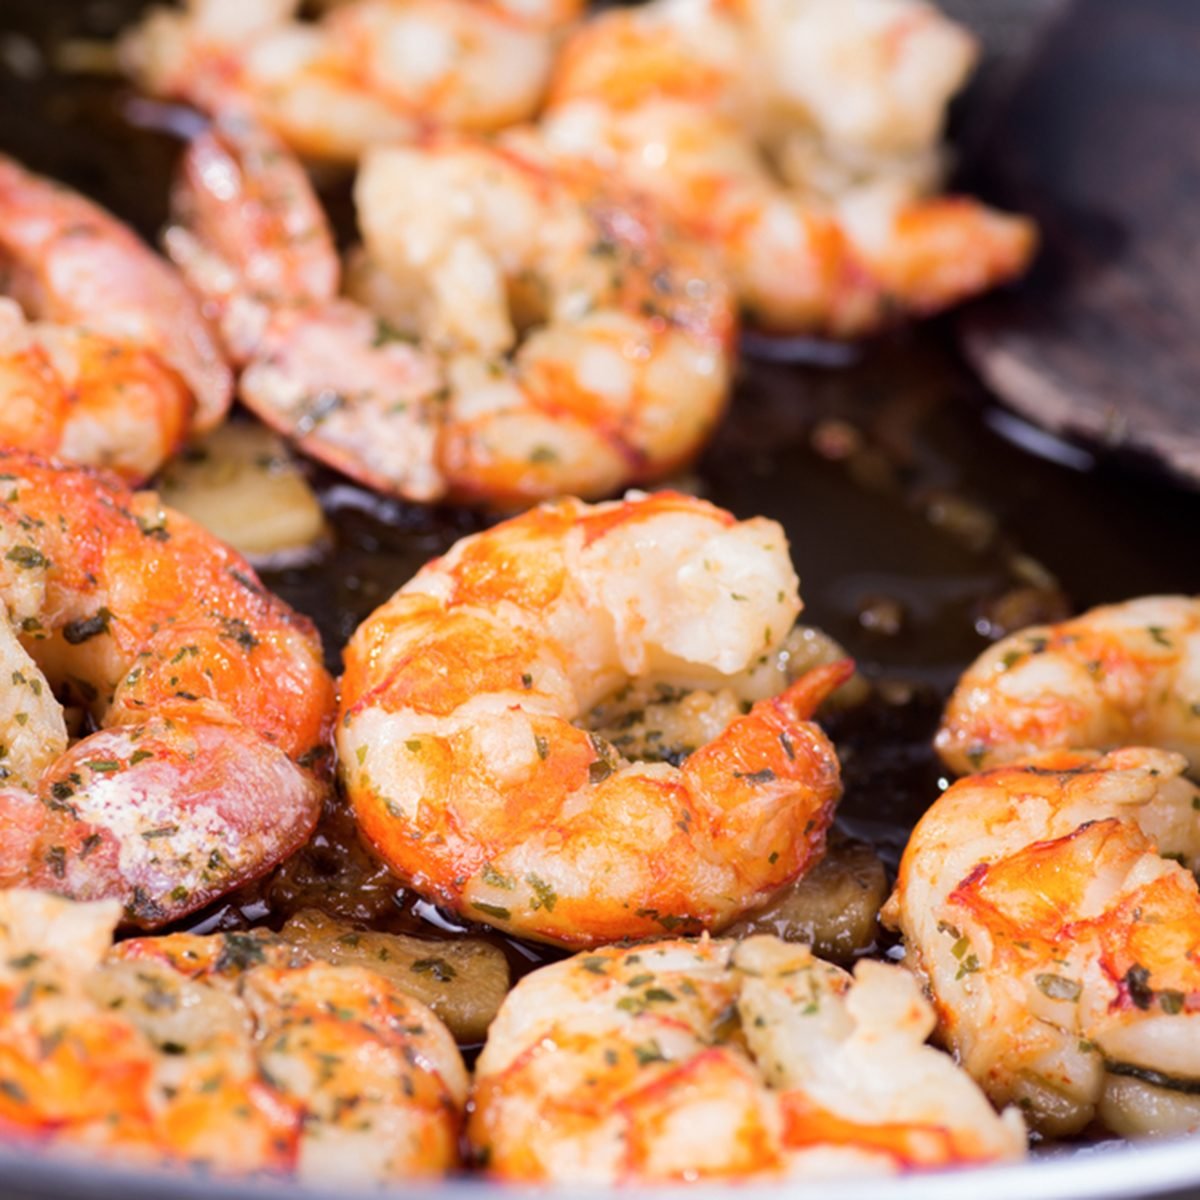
(918, 530)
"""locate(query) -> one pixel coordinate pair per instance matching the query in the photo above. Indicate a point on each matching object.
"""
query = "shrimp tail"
(813, 688)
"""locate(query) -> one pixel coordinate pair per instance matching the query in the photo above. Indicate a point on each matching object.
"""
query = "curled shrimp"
(856, 91)
(460, 742)
(367, 72)
(210, 705)
(227, 1052)
(119, 364)
(1044, 905)
(686, 1061)
(1119, 675)
(622, 371)
(695, 104)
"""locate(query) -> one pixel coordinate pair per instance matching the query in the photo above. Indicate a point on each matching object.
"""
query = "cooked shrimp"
(226, 1052)
(685, 1061)
(252, 239)
(69, 1069)
(71, 392)
(1119, 675)
(673, 99)
(119, 364)
(211, 708)
(462, 754)
(368, 72)
(1043, 905)
(622, 378)
(625, 363)
(856, 90)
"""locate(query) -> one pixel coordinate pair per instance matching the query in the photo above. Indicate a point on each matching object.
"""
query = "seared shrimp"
(227, 1052)
(1045, 905)
(857, 91)
(622, 378)
(459, 734)
(685, 1061)
(625, 363)
(1119, 675)
(119, 364)
(673, 99)
(210, 705)
(368, 72)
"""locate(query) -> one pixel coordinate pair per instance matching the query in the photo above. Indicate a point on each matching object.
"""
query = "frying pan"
(904, 492)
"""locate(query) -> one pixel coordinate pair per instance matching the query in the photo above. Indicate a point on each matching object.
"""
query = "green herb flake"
(766, 775)
(386, 332)
(161, 831)
(544, 896)
(668, 921)
(77, 632)
(240, 951)
(27, 557)
(1057, 987)
(436, 968)
(649, 1052)
(494, 878)
(234, 629)
(1171, 1002)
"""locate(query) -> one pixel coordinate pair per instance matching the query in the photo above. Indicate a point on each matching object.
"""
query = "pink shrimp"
(211, 757)
(119, 363)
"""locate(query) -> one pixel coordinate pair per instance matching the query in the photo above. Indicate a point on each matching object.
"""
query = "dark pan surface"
(1096, 139)
(920, 524)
